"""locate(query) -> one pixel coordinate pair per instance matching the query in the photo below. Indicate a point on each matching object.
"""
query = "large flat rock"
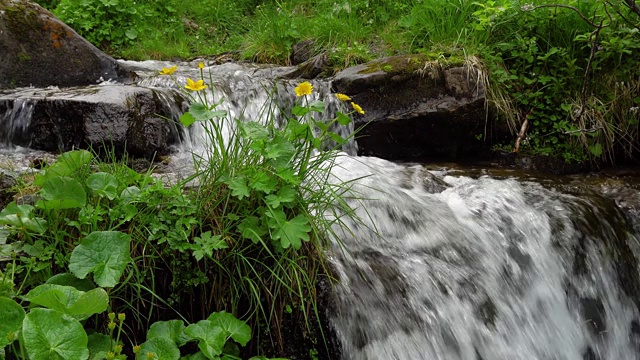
(140, 121)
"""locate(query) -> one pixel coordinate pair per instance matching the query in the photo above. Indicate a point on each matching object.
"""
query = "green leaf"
(172, 329)
(342, 119)
(187, 119)
(211, 338)
(67, 279)
(104, 253)
(293, 231)
(596, 149)
(62, 193)
(19, 216)
(238, 186)
(131, 33)
(103, 184)
(261, 181)
(129, 194)
(99, 344)
(238, 330)
(69, 300)
(50, 335)
(67, 164)
(317, 106)
(254, 130)
(12, 315)
(285, 195)
(201, 112)
(299, 110)
(279, 148)
(250, 229)
(163, 347)
(208, 244)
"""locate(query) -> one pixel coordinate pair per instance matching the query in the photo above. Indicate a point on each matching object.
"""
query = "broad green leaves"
(62, 193)
(50, 335)
(68, 300)
(211, 338)
(163, 347)
(103, 253)
(20, 218)
(238, 330)
(103, 184)
(292, 232)
(172, 329)
(12, 315)
(66, 165)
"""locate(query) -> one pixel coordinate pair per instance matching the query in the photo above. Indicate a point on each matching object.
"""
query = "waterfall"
(15, 120)
(462, 268)
(445, 267)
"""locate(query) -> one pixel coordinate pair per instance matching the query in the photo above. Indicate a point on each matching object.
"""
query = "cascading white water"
(484, 269)
(15, 120)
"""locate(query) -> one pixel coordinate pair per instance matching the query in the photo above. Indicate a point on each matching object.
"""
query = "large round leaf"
(172, 329)
(62, 193)
(105, 253)
(12, 315)
(238, 330)
(50, 335)
(163, 347)
(69, 300)
(211, 337)
(103, 184)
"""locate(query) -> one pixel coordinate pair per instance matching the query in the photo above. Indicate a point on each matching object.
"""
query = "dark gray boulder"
(139, 121)
(37, 49)
(419, 109)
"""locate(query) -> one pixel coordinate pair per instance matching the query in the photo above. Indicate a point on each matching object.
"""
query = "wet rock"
(141, 122)
(594, 313)
(487, 312)
(317, 66)
(7, 182)
(37, 49)
(302, 51)
(419, 109)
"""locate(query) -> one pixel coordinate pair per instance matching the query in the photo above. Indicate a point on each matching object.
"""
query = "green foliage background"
(537, 57)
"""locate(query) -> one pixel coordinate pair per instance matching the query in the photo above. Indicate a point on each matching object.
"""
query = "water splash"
(15, 121)
(485, 269)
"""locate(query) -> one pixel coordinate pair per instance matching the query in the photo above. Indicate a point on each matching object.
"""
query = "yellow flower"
(168, 71)
(304, 88)
(343, 97)
(357, 108)
(201, 65)
(195, 85)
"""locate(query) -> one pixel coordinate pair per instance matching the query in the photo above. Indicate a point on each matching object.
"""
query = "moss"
(23, 56)
(411, 63)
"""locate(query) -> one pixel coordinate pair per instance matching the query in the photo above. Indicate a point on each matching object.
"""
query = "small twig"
(574, 9)
(522, 133)
(583, 131)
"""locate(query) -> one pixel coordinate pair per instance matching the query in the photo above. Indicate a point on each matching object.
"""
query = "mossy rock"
(417, 107)
(37, 49)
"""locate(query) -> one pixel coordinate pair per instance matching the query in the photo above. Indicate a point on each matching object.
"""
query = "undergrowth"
(193, 268)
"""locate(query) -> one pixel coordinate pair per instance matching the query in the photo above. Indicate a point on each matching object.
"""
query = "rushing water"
(481, 269)
(453, 267)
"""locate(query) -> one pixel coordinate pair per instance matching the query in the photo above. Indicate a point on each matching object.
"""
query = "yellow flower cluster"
(169, 70)
(195, 85)
(304, 88)
(356, 107)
